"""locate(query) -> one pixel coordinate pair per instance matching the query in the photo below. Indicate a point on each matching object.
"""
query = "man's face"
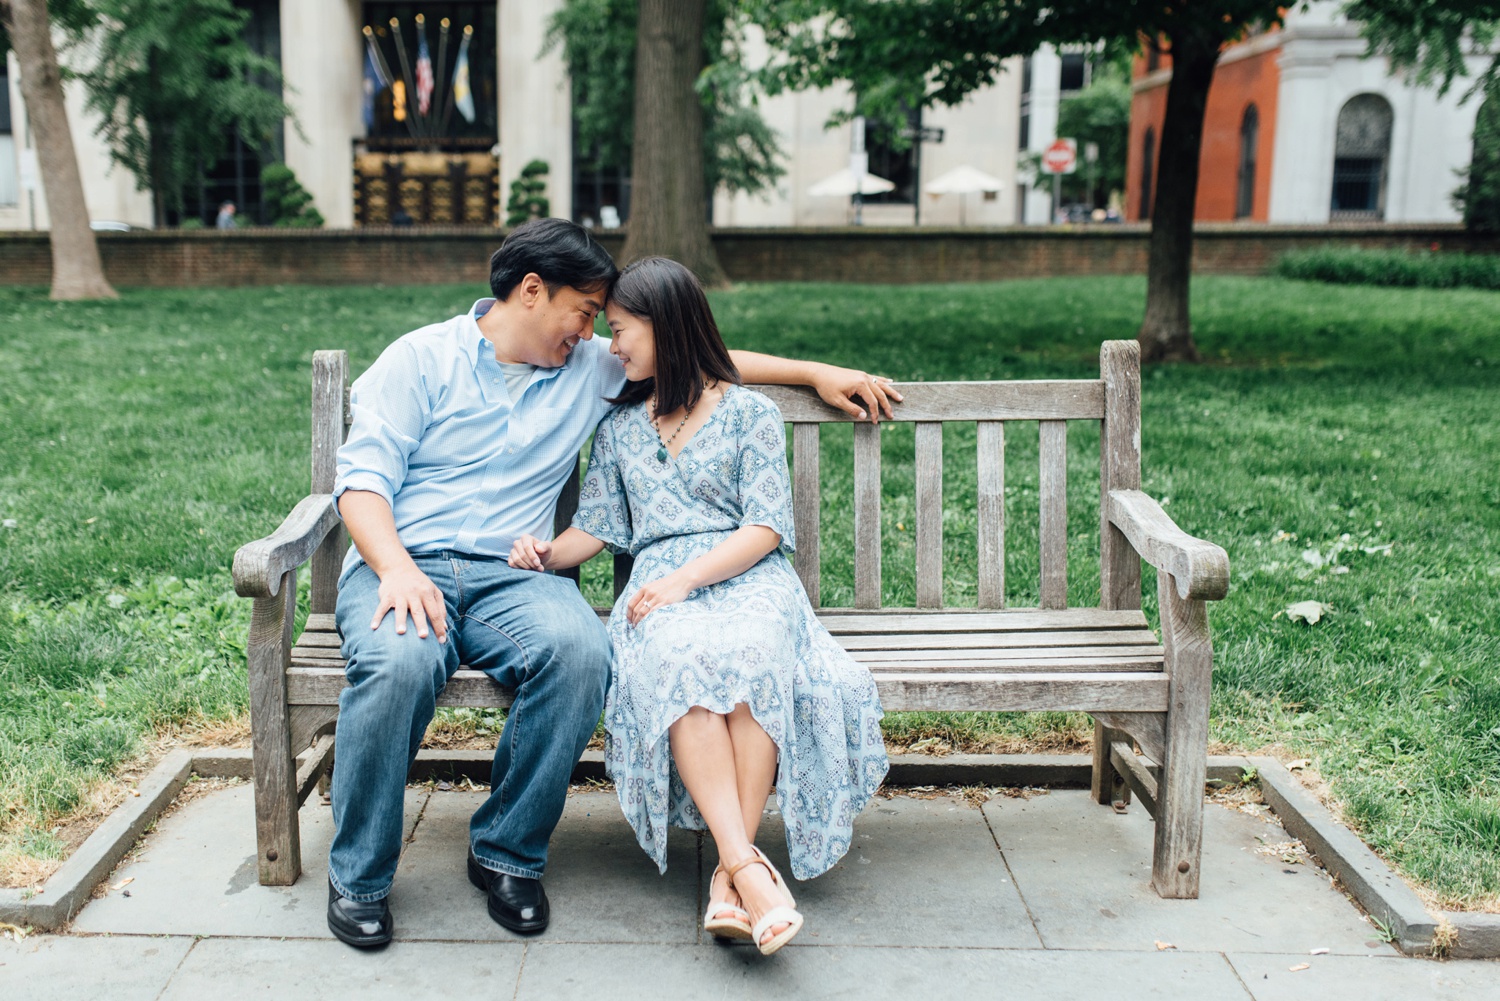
(557, 322)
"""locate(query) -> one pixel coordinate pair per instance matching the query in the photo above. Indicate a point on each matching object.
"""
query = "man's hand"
(529, 553)
(410, 591)
(667, 591)
(840, 386)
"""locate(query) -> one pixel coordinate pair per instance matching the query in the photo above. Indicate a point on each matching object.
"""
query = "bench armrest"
(258, 565)
(1200, 568)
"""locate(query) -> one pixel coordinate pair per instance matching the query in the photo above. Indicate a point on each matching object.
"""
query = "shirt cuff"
(363, 479)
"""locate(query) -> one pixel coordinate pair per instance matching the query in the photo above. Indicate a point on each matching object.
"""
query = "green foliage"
(1479, 195)
(173, 82)
(528, 195)
(598, 42)
(1100, 113)
(287, 202)
(1359, 411)
(1343, 265)
(1430, 38)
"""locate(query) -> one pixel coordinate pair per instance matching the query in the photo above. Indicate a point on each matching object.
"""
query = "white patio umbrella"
(963, 181)
(843, 184)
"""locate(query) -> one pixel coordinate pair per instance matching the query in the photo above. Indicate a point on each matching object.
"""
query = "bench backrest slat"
(330, 380)
(1053, 486)
(929, 455)
(1119, 469)
(991, 514)
(866, 515)
(807, 500)
(1037, 400)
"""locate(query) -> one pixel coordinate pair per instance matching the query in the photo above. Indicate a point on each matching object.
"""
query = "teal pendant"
(661, 454)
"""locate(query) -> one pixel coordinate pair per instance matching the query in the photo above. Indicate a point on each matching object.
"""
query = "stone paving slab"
(1368, 978)
(69, 968)
(601, 886)
(1085, 873)
(920, 872)
(809, 972)
(196, 875)
(233, 969)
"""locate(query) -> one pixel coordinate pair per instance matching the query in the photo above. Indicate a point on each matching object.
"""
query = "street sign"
(1061, 157)
(926, 134)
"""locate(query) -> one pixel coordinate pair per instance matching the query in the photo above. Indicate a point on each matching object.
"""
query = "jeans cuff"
(359, 898)
(510, 870)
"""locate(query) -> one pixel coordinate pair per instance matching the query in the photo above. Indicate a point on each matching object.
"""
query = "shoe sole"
(371, 942)
(477, 877)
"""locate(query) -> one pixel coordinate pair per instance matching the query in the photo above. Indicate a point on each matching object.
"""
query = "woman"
(724, 681)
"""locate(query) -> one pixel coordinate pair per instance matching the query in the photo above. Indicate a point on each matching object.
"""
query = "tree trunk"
(668, 211)
(76, 269)
(1166, 332)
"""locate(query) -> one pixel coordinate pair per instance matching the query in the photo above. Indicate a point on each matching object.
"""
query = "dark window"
(1025, 140)
(1148, 171)
(1244, 203)
(1075, 71)
(1153, 57)
(899, 166)
(9, 181)
(5, 126)
(1362, 148)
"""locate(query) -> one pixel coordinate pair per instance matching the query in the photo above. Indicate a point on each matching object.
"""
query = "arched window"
(1148, 172)
(1362, 148)
(1244, 202)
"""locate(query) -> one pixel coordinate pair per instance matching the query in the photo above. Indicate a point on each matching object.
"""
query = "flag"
(463, 97)
(373, 84)
(424, 73)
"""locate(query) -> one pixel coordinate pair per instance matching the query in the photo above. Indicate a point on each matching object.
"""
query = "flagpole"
(421, 22)
(448, 102)
(385, 72)
(442, 66)
(411, 92)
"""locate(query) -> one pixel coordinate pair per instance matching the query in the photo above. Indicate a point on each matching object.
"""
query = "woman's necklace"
(661, 452)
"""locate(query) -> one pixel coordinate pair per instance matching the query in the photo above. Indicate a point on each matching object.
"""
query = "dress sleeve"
(765, 485)
(603, 508)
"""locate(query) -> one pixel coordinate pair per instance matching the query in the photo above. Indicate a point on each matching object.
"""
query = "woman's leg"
(754, 766)
(706, 762)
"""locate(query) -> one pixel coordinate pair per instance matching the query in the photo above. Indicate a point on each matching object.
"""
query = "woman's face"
(633, 341)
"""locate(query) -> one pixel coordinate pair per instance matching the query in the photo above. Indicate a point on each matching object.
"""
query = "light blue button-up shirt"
(463, 466)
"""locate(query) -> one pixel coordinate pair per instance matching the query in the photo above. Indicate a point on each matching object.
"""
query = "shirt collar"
(473, 338)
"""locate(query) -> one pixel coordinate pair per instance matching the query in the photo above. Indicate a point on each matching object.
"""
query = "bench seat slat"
(1136, 652)
(989, 641)
(851, 620)
(903, 691)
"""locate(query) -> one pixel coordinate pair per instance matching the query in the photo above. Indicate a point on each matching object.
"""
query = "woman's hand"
(529, 553)
(839, 386)
(667, 591)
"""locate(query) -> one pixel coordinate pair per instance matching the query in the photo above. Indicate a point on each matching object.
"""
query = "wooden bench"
(1105, 661)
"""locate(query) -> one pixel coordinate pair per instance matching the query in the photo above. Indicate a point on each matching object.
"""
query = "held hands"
(667, 591)
(839, 386)
(410, 591)
(529, 553)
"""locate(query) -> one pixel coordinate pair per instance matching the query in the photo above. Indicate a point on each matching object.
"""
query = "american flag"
(424, 74)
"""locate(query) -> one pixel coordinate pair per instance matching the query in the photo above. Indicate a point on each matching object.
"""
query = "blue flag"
(373, 86)
(463, 97)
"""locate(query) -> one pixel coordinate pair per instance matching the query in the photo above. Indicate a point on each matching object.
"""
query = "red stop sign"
(1061, 157)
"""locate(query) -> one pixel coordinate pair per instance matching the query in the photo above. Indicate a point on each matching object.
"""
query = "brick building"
(1303, 127)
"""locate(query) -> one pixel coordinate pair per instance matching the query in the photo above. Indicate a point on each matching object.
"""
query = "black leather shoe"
(364, 925)
(515, 902)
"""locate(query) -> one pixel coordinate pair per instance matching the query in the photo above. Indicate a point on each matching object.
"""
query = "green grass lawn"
(1340, 444)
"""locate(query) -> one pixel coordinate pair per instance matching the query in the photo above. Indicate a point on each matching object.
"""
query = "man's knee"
(402, 666)
(575, 648)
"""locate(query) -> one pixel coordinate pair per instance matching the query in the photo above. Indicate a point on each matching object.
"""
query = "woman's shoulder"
(751, 405)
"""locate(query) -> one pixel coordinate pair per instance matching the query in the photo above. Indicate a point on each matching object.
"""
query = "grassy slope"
(145, 440)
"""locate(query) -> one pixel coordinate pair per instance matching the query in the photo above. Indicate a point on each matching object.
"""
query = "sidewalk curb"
(1369, 880)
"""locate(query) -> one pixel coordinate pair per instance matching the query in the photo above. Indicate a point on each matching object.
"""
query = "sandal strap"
(732, 870)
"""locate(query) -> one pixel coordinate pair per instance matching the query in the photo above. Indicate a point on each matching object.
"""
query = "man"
(225, 218)
(463, 434)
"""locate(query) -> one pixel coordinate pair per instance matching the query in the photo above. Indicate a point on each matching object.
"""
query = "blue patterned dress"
(751, 639)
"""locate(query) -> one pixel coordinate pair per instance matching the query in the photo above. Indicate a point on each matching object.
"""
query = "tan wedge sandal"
(780, 914)
(736, 925)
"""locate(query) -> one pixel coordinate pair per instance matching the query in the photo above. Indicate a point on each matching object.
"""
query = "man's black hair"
(562, 253)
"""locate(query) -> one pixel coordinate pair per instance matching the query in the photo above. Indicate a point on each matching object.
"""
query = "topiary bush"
(287, 202)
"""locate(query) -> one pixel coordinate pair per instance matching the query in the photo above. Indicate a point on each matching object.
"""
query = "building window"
(10, 188)
(1025, 142)
(1244, 202)
(899, 166)
(1362, 149)
(1148, 171)
(1074, 72)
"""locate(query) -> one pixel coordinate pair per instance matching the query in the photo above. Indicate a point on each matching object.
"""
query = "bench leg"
(1178, 851)
(1108, 786)
(278, 841)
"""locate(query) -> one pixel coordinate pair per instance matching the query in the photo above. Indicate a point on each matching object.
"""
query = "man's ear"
(533, 289)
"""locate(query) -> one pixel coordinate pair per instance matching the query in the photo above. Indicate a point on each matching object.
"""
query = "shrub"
(287, 202)
(1479, 195)
(528, 195)
(1361, 266)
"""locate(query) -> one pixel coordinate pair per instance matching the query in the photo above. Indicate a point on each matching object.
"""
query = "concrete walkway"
(1039, 897)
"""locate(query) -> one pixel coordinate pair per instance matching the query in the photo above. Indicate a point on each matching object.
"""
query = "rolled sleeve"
(764, 481)
(391, 411)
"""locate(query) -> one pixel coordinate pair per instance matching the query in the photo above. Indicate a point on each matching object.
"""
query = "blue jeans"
(532, 632)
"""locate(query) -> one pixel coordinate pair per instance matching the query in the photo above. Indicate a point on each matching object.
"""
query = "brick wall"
(400, 257)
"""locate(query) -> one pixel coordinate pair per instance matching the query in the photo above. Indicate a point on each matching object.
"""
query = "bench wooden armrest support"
(259, 565)
(1201, 569)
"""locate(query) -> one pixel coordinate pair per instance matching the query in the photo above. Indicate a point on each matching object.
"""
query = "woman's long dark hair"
(689, 351)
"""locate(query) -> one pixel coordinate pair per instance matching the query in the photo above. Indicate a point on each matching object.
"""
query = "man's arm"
(837, 386)
(403, 588)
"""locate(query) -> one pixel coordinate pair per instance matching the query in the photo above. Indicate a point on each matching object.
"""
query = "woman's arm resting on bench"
(837, 386)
